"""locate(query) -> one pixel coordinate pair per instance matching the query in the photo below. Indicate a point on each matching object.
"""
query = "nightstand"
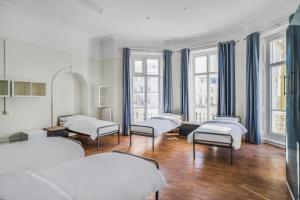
(187, 127)
(57, 131)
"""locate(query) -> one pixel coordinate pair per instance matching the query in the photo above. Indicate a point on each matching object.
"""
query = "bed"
(221, 131)
(89, 126)
(113, 176)
(155, 126)
(35, 155)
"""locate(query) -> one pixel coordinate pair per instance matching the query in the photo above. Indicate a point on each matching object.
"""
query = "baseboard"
(274, 143)
(288, 185)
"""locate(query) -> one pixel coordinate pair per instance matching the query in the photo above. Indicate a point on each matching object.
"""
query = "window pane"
(139, 100)
(277, 50)
(213, 60)
(153, 84)
(152, 67)
(138, 114)
(138, 66)
(138, 84)
(201, 64)
(153, 100)
(213, 95)
(200, 98)
(278, 122)
(152, 112)
(277, 87)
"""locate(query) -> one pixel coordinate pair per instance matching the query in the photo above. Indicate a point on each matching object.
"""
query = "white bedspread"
(107, 176)
(35, 155)
(89, 125)
(231, 127)
(162, 123)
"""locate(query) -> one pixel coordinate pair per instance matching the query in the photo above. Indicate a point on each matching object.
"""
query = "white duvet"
(220, 126)
(88, 125)
(35, 155)
(107, 176)
(162, 123)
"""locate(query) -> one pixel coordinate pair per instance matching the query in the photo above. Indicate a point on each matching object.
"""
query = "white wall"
(36, 49)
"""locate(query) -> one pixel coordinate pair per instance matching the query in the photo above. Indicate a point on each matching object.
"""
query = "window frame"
(269, 108)
(207, 53)
(143, 57)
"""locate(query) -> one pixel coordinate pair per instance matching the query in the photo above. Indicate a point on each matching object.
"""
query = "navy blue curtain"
(252, 92)
(167, 81)
(226, 91)
(126, 120)
(184, 90)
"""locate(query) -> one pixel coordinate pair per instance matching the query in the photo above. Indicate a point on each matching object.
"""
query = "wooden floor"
(258, 171)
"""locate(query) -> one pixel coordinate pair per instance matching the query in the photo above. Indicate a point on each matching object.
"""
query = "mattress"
(89, 125)
(223, 127)
(161, 124)
(36, 155)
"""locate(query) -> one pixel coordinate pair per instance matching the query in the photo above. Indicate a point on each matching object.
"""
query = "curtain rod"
(142, 49)
(205, 46)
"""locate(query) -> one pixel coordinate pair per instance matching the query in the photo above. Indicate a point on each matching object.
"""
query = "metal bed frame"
(144, 158)
(217, 144)
(151, 134)
(98, 133)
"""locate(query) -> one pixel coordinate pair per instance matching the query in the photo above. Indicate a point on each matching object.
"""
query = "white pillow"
(172, 115)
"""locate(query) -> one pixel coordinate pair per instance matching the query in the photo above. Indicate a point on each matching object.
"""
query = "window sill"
(273, 142)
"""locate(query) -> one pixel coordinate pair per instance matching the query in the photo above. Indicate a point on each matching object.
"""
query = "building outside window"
(146, 86)
(276, 66)
(205, 85)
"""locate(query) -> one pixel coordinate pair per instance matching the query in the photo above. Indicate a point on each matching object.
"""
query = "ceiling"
(165, 19)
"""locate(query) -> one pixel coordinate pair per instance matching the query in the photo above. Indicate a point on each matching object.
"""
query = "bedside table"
(57, 131)
(187, 127)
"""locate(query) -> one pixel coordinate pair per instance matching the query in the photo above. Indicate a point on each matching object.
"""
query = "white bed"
(155, 126)
(221, 131)
(92, 127)
(35, 155)
(113, 176)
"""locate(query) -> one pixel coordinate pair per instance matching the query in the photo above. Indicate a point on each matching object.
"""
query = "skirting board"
(274, 143)
(287, 183)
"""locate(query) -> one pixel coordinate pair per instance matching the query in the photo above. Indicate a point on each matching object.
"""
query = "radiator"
(107, 114)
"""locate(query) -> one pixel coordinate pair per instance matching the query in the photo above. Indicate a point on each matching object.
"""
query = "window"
(146, 86)
(276, 66)
(205, 85)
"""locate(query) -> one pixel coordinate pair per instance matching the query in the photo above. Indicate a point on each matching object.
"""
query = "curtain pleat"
(126, 119)
(252, 90)
(226, 83)
(184, 90)
(167, 81)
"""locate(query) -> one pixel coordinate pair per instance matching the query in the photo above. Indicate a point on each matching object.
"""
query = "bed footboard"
(144, 158)
(213, 143)
(108, 133)
(146, 134)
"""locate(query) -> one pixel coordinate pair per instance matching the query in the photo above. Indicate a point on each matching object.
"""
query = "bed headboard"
(233, 116)
(59, 118)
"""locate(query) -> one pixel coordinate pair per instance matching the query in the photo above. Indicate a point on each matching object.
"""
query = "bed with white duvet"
(221, 131)
(36, 155)
(155, 126)
(90, 126)
(113, 176)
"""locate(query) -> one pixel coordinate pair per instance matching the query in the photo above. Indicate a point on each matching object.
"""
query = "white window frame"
(195, 54)
(269, 109)
(144, 56)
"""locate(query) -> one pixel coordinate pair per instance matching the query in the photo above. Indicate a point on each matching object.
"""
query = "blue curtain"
(126, 92)
(226, 92)
(252, 92)
(167, 81)
(184, 90)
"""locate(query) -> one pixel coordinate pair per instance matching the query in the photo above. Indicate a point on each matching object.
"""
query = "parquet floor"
(258, 171)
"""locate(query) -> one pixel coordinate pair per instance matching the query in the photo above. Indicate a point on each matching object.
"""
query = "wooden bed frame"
(217, 144)
(144, 158)
(98, 129)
